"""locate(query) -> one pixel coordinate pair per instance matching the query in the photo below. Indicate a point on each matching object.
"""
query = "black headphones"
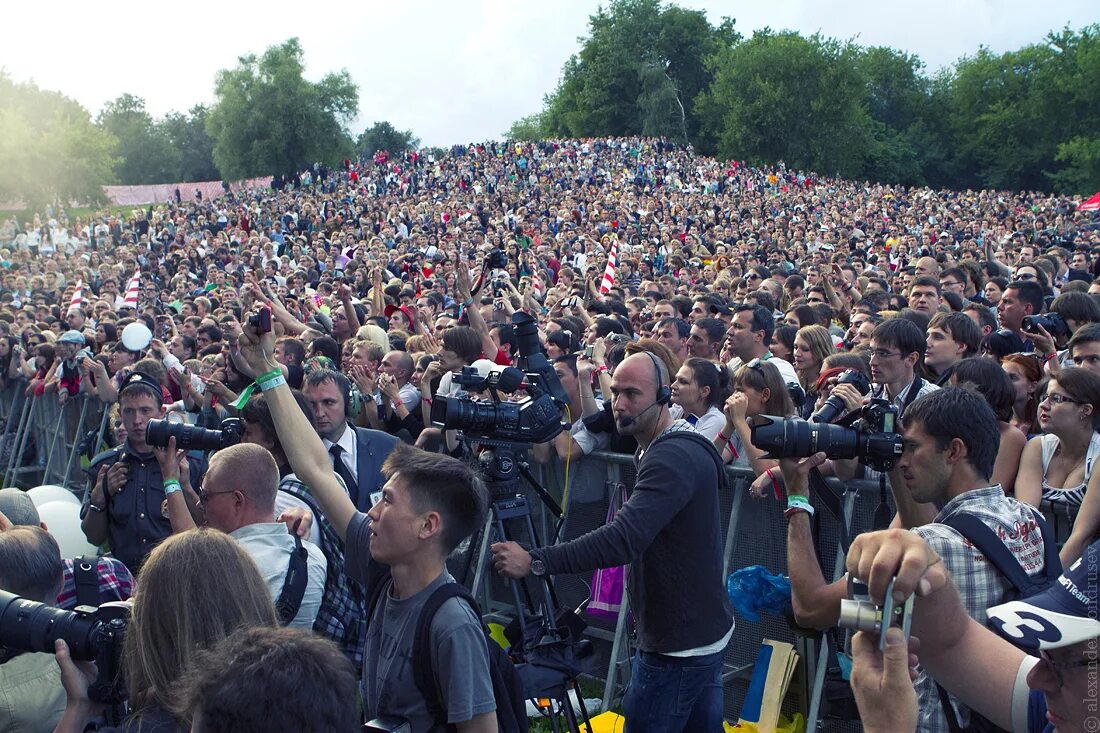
(664, 392)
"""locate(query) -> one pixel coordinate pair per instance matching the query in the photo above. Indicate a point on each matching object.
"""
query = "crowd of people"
(678, 298)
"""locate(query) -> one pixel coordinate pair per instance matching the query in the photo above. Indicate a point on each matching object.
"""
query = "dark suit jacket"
(372, 448)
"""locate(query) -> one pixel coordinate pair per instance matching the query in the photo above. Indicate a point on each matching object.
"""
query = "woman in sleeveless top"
(1057, 465)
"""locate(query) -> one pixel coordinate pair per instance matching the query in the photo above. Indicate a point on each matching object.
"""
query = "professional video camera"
(93, 635)
(532, 420)
(871, 436)
(190, 437)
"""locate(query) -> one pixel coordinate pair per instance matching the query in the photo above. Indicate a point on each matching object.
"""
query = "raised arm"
(477, 321)
(304, 450)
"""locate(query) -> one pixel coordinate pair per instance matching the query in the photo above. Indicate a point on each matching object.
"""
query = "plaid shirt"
(980, 585)
(341, 616)
(116, 583)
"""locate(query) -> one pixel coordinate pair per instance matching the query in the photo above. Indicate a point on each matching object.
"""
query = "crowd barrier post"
(33, 411)
(21, 415)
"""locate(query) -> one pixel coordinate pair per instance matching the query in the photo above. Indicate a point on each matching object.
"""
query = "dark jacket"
(669, 531)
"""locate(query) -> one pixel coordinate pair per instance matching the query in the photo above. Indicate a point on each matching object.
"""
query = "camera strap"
(294, 585)
(86, 578)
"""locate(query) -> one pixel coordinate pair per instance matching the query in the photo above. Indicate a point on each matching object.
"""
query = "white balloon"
(63, 522)
(44, 494)
(136, 337)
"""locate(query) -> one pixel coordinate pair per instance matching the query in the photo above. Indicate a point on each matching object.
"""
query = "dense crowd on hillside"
(734, 291)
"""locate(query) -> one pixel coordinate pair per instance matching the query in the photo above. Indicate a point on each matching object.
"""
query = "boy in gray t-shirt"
(460, 661)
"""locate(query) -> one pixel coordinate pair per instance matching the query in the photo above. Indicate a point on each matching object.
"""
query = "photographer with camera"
(1054, 692)
(31, 696)
(950, 444)
(668, 532)
(125, 504)
(429, 504)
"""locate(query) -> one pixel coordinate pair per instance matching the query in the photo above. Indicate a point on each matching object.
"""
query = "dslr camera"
(872, 436)
(191, 437)
(261, 320)
(92, 634)
(1052, 322)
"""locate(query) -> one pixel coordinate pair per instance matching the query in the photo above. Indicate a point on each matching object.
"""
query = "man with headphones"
(357, 453)
(668, 531)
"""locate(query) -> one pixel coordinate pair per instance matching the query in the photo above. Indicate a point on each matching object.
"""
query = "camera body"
(92, 634)
(190, 437)
(872, 438)
(834, 406)
(533, 420)
(1052, 322)
(261, 320)
(859, 613)
(497, 259)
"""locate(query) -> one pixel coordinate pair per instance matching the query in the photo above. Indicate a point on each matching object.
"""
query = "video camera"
(872, 436)
(190, 437)
(536, 419)
(92, 634)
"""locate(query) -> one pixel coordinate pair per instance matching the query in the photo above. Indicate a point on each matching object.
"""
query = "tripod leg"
(482, 561)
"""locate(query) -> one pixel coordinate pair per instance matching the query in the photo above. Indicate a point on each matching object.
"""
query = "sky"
(450, 71)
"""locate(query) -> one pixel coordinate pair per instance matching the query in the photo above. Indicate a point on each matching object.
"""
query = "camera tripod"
(545, 652)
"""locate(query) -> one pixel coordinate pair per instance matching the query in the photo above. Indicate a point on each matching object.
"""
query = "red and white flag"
(132, 290)
(612, 264)
(78, 297)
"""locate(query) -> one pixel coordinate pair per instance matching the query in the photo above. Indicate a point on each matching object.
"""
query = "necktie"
(343, 472)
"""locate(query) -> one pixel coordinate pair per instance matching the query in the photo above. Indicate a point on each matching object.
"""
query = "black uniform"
(135, 520)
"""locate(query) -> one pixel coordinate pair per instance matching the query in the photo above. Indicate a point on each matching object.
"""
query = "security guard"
(124, 506)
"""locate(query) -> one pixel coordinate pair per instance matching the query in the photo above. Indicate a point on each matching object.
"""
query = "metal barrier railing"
(42, 437)
(755, 533)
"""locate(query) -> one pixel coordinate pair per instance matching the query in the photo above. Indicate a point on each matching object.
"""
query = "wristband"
(171, 486)
(1048, 357)
(602, 369)
(271, 383)
(798, 509)
(723, 437)
(799, 503)
(775, 481)
(276, 372)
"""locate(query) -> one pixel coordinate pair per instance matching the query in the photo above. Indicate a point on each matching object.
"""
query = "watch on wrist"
(538, 568)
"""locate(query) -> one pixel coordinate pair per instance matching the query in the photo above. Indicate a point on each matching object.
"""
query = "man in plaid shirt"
(951, 440)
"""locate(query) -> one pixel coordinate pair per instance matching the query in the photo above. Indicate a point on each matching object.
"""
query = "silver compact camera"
(859, 613)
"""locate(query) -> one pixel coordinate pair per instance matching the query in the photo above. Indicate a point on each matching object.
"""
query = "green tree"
(384, 136)
(529, 128)
(147, 153)
(188, 136)
(50, 151)
(780, 96)
(269, 119)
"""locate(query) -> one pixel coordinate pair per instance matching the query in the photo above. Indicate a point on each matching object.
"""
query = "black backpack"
(1021, 585)
(507, 686)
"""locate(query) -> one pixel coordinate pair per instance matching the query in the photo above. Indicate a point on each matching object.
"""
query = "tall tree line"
(1025, 119)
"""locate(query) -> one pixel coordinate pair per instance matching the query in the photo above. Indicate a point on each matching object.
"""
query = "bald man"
(928, 267)
(237, 497)
(672, 514)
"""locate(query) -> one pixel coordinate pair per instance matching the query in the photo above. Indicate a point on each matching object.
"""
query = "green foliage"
(529, 128)
(50, 151)
(1024, 119)
(269, 119)
(146, 151)
(194, 146)
(383, 136)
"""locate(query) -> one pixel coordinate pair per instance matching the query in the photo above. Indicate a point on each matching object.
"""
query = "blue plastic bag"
(754, 589)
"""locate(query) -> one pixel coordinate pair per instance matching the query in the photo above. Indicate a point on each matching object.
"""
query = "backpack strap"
(422, 650)
(990, 545)
(86, 578)
(948, 709)
(294, 584)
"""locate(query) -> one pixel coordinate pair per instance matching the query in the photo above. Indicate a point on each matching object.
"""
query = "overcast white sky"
(451, 72)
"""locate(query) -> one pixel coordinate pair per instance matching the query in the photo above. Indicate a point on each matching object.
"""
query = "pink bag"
(608, 583)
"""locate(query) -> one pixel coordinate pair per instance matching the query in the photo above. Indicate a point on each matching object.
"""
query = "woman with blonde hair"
(196, 589)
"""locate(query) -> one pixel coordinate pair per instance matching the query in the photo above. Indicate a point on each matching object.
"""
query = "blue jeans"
(674, 694)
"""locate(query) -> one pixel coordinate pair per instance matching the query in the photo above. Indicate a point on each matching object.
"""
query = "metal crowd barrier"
(755, 533)
(42, 438)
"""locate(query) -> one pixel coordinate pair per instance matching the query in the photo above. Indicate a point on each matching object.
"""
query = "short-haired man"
(705, 339)
(394, 404)
(750, 337)
(983, 316)
(238, 498)
(950, 338)
(122, 506)
(429, 504)
(355, 454)
(674, 334)
(924, 295)
(1020, 299)
(896, 348)
(30, 566)
(951, 437)
(258, 675)
(672, 514)
(1084, 347)
(291, 353)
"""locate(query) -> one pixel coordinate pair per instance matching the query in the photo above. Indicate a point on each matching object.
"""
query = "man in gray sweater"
(668, 531)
